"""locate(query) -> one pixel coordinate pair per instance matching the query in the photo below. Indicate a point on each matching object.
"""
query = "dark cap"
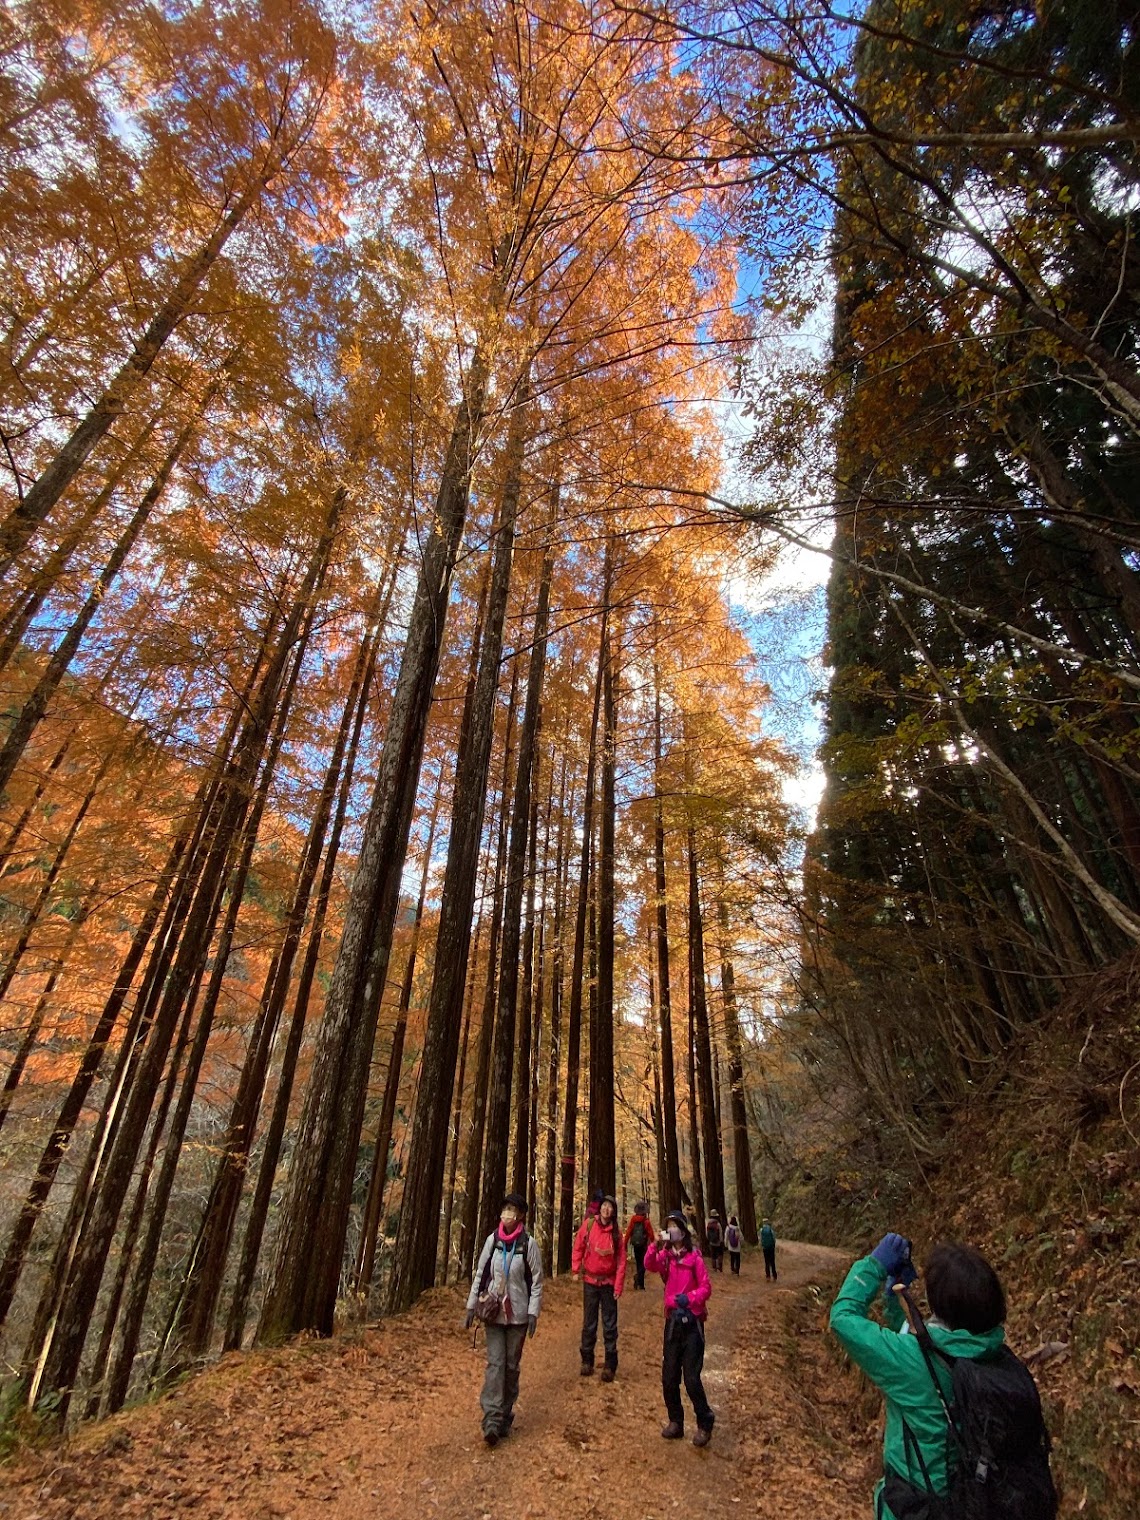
(517, 1201)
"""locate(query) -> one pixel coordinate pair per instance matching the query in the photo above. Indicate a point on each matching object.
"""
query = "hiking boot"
(673, 1431)
(586, 1369)
(491, 1437)
(608, 1374)
(702, 1438)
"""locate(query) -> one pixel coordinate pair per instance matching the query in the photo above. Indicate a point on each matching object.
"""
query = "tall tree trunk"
(418, 1244)
(554, 1049)
(671, 1195)
(602, 1160)
(536, 980)
(745, 1200)
(655, 1066)
(698, 1002)
(310, 1245)
(453, 1165)
(499, 1096)
(525, 1042)
(366, 1254)
(566, 1210)
(473, 1169)
(694, 1128)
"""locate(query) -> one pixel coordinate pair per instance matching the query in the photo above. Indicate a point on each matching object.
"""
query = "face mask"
(510, 1218)
(676, 1234)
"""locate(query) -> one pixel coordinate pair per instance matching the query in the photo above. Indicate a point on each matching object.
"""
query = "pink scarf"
(504, 1238)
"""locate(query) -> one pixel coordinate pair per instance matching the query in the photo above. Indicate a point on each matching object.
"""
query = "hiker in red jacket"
(687, 1292)
(638, 1233)
(599, 1257)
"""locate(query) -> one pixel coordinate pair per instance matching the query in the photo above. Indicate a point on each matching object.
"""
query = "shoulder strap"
(521, 1244)
(485, 1275)
(929, 1352)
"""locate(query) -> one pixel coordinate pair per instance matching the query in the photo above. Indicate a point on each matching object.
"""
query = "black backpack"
(999, 1447)
(712, 1230)
(639, 1235)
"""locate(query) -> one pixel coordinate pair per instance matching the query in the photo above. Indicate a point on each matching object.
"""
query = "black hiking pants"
(599, 1298)
(734, 1261)
(684, 1356)
(770, 1262)
(639, 1265)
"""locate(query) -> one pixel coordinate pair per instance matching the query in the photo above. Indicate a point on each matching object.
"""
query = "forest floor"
(385, 1422)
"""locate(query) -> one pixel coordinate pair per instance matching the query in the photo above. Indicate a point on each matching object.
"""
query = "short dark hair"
(963, 1289)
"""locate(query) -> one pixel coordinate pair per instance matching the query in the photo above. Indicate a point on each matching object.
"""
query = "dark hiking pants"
(770, 1262)
(639, 1265)
(599, 1297)
(501, 1383)
(684, 1356)
(734, 1261)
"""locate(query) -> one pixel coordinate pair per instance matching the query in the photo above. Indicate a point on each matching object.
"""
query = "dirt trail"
(387, 1424)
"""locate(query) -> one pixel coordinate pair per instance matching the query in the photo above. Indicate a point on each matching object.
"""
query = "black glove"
(469, 1319)
(531, 1325)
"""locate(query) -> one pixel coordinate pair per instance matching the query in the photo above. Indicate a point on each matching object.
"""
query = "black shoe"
(673, 1431)
(491, 1437)
(702, 1438)
(608, 1374)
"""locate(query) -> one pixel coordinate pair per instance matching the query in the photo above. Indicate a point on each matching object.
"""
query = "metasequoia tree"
(271, 115)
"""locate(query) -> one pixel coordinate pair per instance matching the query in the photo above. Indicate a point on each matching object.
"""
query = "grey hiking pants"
(501, 1383)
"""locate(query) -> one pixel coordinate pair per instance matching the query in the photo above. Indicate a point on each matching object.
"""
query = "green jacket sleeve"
(873, 1347)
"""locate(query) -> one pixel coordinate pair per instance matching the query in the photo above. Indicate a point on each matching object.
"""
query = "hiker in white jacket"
(506, 1294)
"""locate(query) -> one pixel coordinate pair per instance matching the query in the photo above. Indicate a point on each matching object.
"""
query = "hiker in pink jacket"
(687, 1292)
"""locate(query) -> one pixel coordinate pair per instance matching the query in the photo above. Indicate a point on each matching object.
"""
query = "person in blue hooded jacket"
(967, 1307)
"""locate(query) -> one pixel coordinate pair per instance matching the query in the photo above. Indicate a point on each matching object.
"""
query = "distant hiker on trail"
(638, 1234)
(768, 1246)
(714, 1234)
(595, 1203)
(599, 1258)
(687, 1290)
(993, 1460)
(506, 1294)
(732, 1240)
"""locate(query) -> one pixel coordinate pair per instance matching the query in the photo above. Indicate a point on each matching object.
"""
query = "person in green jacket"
(967, 1307)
